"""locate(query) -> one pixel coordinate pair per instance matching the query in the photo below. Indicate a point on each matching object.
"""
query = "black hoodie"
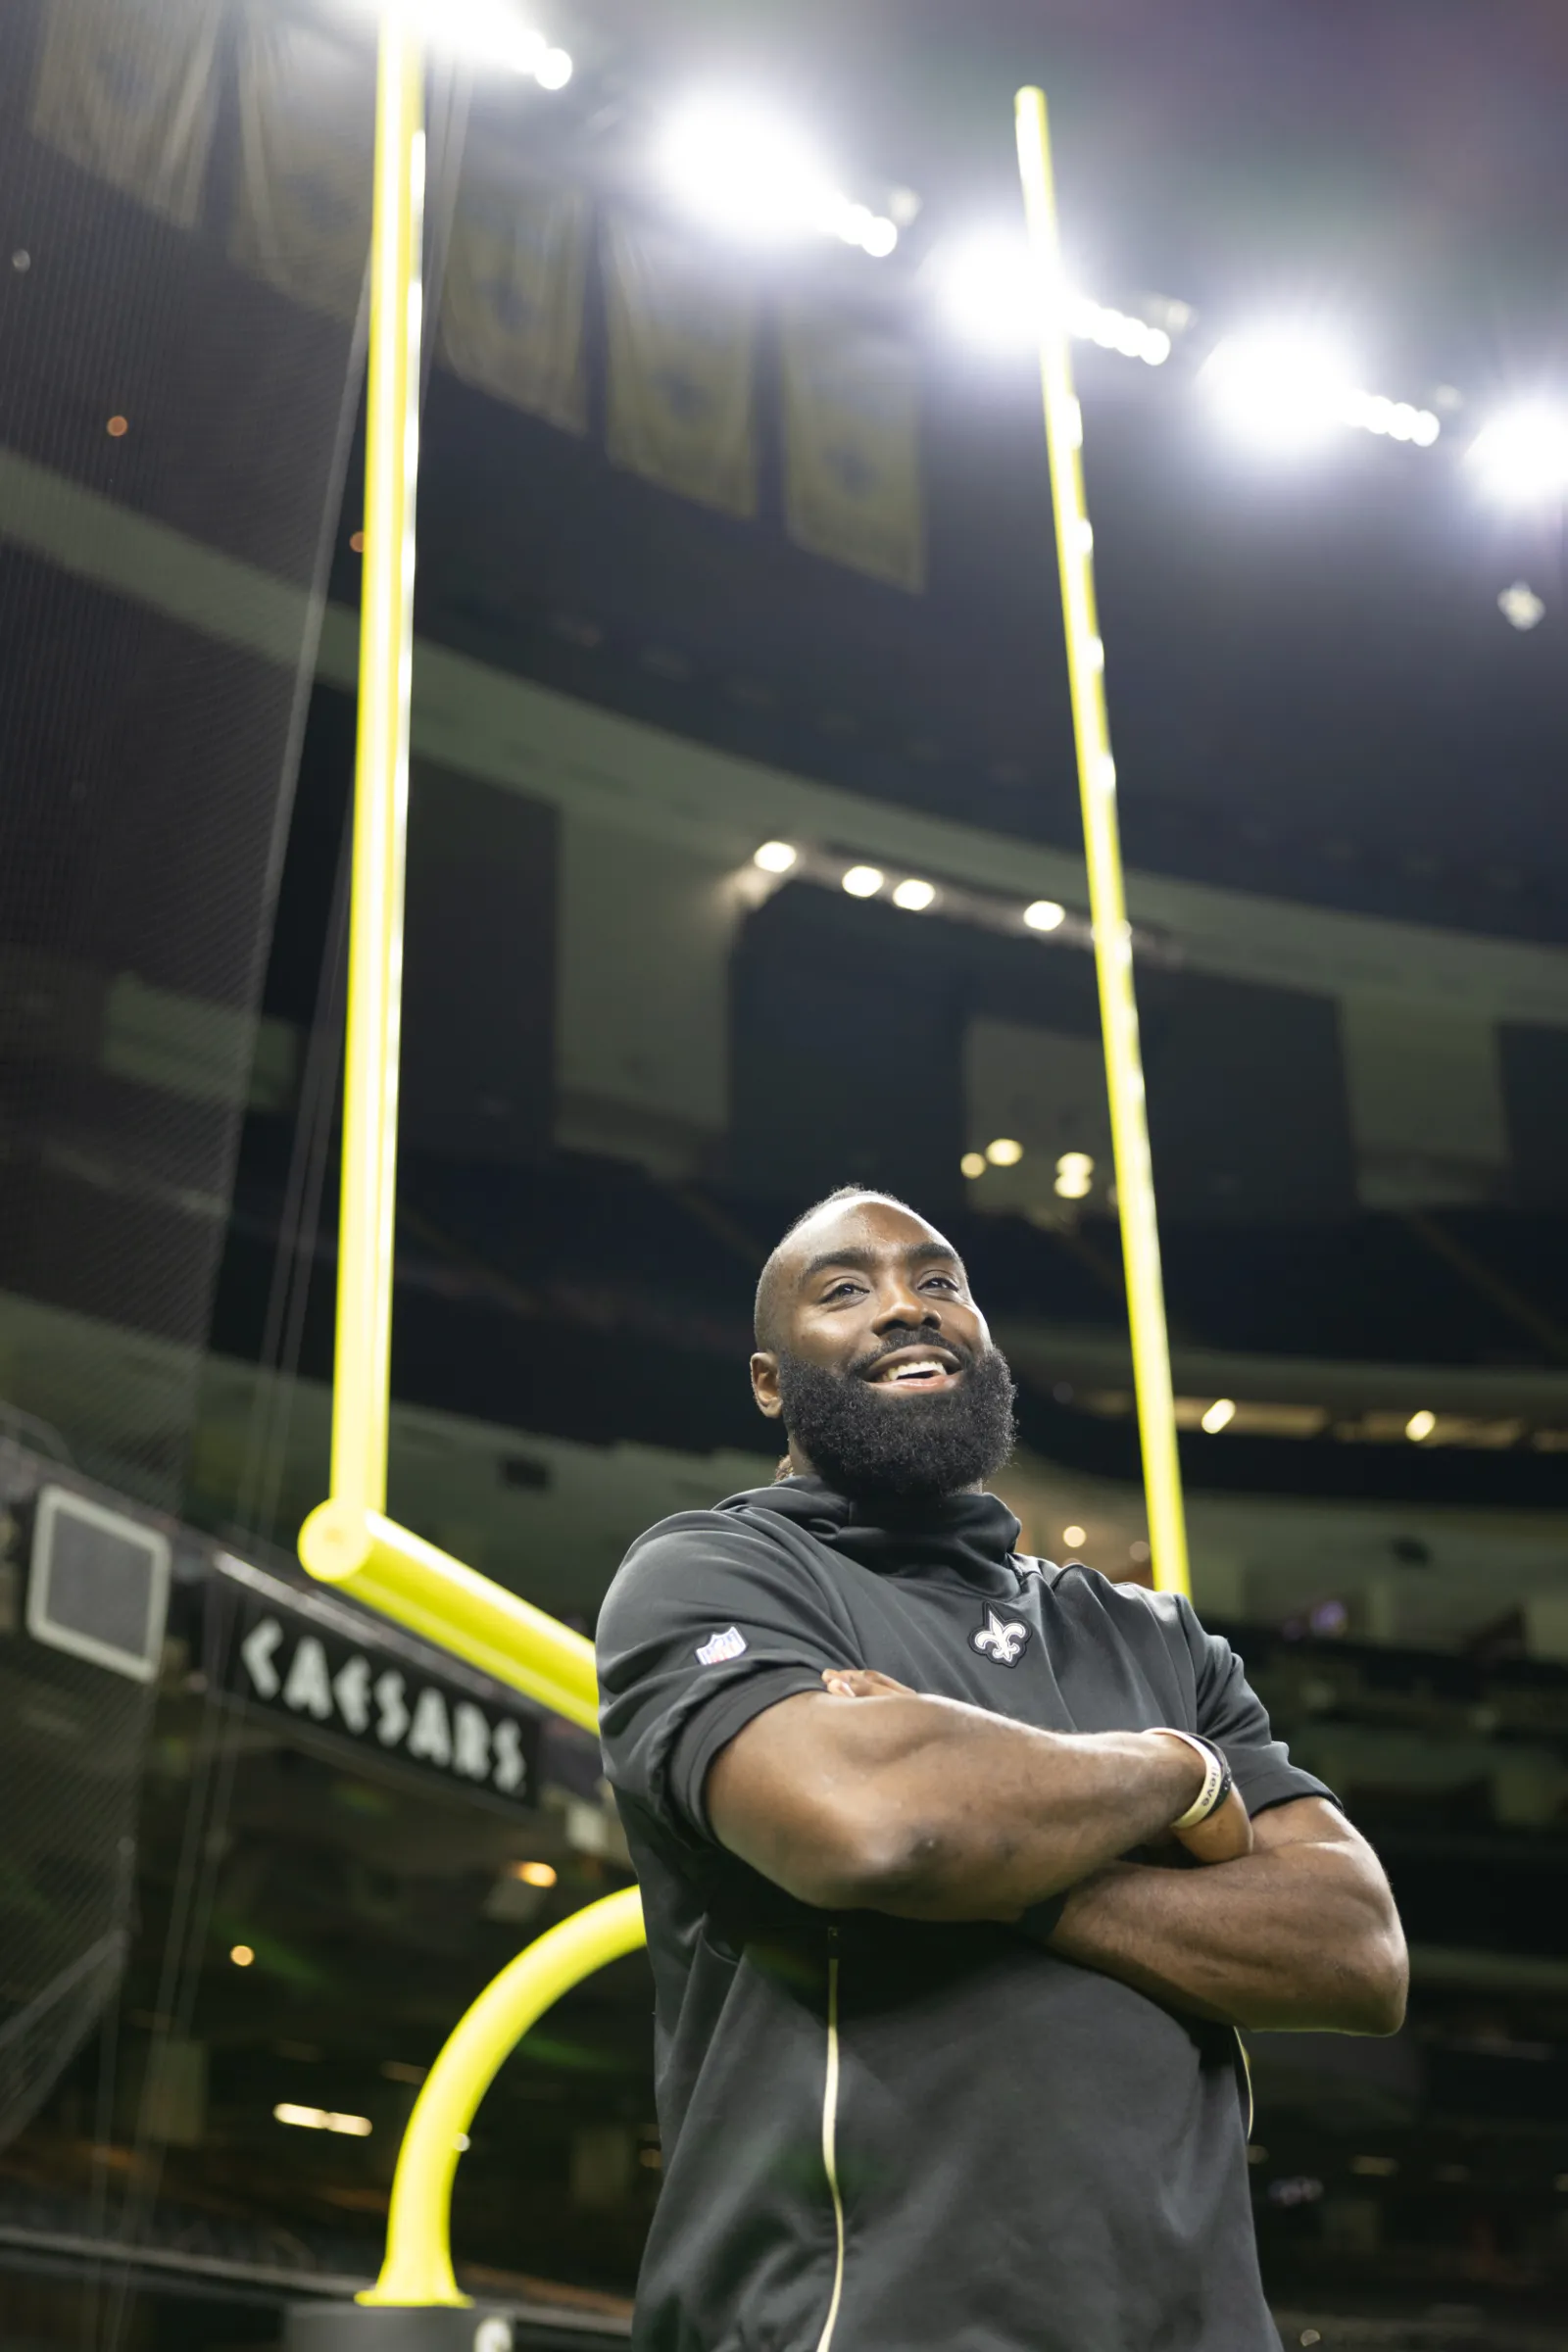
(881, 2135)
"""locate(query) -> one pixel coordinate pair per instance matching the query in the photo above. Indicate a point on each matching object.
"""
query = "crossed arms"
(868, 1798)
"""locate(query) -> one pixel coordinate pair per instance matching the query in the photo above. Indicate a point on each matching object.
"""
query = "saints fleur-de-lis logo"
(1002, 1639)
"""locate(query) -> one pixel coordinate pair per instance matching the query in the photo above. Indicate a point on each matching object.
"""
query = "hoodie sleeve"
(1231, 1715)
(709, 1623)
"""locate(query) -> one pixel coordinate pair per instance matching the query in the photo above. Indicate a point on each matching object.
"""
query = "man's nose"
(900, 1304)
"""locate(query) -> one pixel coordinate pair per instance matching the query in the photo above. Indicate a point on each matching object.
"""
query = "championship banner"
(680, 340)
(852, 448)
(512, 297)
(307, 110)
(128, 90)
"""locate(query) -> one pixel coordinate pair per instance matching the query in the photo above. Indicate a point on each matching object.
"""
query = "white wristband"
(1217, 1781)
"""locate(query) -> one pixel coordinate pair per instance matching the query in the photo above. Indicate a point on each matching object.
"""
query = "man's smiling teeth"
(919, 1368)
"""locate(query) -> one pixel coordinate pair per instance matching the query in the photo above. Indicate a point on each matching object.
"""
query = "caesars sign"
(292, 1667)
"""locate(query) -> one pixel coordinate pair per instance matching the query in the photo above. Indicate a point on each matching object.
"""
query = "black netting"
(174, 404)
(156, 621)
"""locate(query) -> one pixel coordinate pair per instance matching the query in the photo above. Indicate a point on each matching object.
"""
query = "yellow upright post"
(360, 1395)
(349, 1540)
(1107, 904)
(418, 2268)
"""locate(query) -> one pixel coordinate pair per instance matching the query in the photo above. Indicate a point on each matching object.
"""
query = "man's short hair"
(765, 1313)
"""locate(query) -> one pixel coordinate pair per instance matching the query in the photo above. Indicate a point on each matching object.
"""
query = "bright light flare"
(1117, 331)
(1521, 607)
(753, 176)
(1420, 1426)
(750, 173)
(1005, 1153)
(972, 1164)
(1522, 454)
(1281, 389)
(991, 291)
(1045, 914)
(1220, 1414)
(1395, 417)
(323, 2119)
(1075, 1176)
(856, 224)
(775, 856)
(864, 881)
(489, 32)
(914, 896)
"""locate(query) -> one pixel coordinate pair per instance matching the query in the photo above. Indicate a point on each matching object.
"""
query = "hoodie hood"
(967, 1538)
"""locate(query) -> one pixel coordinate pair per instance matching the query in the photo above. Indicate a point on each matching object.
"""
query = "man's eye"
(946, 1282)
(840, 1289)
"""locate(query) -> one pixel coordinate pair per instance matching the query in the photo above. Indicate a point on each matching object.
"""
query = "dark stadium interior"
(1339, 774)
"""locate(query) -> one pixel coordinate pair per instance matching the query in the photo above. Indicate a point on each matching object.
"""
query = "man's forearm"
(996, 1833)
(929, 1809)
(1301, 1935)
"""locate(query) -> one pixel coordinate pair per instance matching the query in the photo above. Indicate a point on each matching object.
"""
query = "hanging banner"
(512, 295)
(128, 90)
(852, 448)
(681, 337)
(307, 109)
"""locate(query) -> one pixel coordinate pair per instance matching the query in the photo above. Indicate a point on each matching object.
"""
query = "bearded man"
(961, 1871)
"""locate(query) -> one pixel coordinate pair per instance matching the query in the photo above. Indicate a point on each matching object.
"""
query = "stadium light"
(991, 295)
(1075, 1176)
(748, 173)
(1117, 331)
(1521, 607)
(987, 294)
(775, 856)
(864, 881)
(323, 2119)
(1522, 454)
(1287, 388)
(491, 32)
(1395, 417)
(914, 896)
(1278, 387)
(1045, 914)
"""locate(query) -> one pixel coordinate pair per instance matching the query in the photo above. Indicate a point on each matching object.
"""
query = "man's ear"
(764, 1383)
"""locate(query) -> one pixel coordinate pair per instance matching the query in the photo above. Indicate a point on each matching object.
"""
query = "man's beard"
(900, 1447)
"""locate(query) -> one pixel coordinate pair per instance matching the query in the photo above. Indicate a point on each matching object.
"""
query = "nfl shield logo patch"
(728, 1645)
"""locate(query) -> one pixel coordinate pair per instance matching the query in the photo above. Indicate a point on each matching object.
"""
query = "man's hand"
(864, 1681)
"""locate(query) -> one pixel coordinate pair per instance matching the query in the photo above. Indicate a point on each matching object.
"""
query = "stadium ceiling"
(1349, 243)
